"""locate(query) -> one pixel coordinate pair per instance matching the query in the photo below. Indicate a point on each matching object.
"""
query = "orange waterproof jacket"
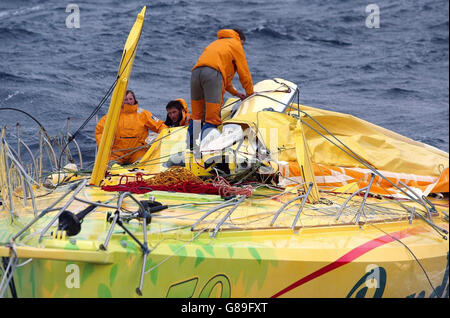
(131, 132)
(226, 55)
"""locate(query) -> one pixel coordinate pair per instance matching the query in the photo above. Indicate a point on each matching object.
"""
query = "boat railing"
(411, 210)
(240, 199)
(233, 203)
(13, 176)
(23, 170)
(366, 191)
(304, 197)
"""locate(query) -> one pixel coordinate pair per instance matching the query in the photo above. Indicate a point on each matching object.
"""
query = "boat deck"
(267, 209)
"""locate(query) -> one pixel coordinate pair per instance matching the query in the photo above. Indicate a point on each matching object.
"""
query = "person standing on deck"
(212, 75)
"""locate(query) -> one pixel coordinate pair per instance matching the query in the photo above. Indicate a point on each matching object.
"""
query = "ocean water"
(395, 76)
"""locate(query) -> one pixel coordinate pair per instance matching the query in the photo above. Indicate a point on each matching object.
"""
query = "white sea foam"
(21, 11)
(11, 96)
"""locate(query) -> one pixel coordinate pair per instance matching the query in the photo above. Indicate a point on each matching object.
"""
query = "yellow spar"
(126, 64)
(304, 161)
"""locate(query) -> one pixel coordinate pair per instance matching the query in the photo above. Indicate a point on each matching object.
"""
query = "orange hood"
(227, 33)
(185, 106)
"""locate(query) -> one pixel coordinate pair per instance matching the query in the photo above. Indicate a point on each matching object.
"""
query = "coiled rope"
(178, 179)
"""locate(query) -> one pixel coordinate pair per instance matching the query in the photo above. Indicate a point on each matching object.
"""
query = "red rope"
(142, 187)
(219, 187)
(227, 190)
(139, 186)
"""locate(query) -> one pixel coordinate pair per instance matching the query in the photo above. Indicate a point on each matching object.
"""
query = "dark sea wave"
(395, 76)
(268, 32)
(11, 33)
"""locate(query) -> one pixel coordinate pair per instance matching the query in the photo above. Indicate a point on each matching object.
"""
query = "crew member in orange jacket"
(177, 113)
(131, 132)
(213, 74)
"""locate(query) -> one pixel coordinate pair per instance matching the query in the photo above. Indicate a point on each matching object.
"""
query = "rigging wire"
(351, 154)
(355, 156)
(29, 115)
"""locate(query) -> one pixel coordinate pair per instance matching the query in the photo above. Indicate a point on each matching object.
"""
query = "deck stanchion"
(216, 208)
(145, 251)
(302, 205)
(104, 246)
(411, 216)
(367, 189)
(284, 207)
(216, 229)
(304, 197)
(18, 141)
(363, 203)
(6, 173)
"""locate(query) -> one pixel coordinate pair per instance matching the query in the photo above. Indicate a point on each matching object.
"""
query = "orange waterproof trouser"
(206, 95)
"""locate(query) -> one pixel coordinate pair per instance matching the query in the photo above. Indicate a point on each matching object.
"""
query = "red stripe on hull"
(348, 257)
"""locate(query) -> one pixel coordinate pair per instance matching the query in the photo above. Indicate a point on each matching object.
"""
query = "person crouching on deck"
(132, 129)
(177, 113)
